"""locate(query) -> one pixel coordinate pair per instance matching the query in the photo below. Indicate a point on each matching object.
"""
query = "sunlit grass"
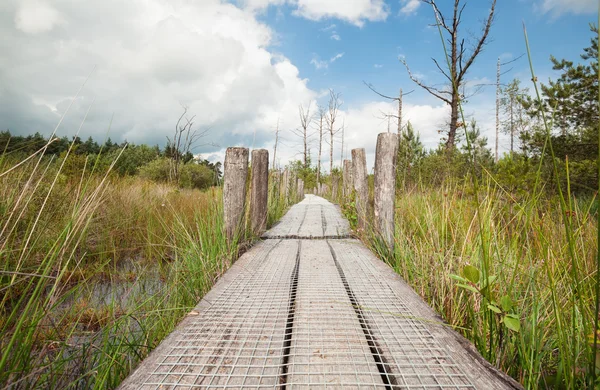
(96, 269)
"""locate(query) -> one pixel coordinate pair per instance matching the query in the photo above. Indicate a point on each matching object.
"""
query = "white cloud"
(356, 12)
(36, 16)
(150, 58)
(365, 122)
(335, 36)
(559, 7)
(378, 66)
(352, 11)
(409, 6)
(324, 64)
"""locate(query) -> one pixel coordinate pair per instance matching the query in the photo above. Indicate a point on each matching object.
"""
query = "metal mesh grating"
(314, 217)
(305, 314)
(413, 358)
(238, 341)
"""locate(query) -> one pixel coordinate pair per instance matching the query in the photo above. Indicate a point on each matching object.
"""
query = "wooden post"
(235, 173)
(359, 177)
(285, 182)
(300, 189)
(292, 186)
(334, 187)
(260, 191)
(385, 186)
(347, 177)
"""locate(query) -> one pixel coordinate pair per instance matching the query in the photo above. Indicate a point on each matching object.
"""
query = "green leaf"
(472, 273)
(490, 280)
(495, 309)
(512, 323)
(506, 303)
(458, 278)
(468, 287)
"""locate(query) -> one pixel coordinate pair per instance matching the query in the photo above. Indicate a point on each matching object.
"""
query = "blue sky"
(371, 52)
(243, 66)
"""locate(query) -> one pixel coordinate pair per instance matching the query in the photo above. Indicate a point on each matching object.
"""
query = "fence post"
(385, 186)
(300, 189)
(285, 183)
(359, 177)
(235, 173)
(347, 178)
(334, 187)
(260, 191)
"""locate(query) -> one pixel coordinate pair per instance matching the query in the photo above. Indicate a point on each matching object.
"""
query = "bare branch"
(480, 43)
(429, 89)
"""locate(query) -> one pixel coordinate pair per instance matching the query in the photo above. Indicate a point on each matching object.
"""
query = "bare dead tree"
(331, 117)
(276, 141)
(185, 140)
(459, 61)
(398, 99)
(342, 149)
(321, 120)
(303, 132)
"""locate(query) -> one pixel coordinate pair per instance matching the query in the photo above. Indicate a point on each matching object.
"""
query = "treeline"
(151, 162)
(553, 139)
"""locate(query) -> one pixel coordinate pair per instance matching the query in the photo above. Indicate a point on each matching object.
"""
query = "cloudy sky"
(242, 66)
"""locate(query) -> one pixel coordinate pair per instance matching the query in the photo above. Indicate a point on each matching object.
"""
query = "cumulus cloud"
(409, 7)
(559, 7)
(356, 12)
(150, 58)
(365, 121)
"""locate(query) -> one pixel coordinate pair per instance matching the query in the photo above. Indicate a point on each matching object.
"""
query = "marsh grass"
(437, 237)
(516, 274)
(96, 269)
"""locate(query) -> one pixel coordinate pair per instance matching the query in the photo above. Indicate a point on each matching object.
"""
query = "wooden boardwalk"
(308, 307)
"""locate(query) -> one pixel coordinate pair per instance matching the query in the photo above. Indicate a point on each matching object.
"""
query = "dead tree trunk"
(321, 118)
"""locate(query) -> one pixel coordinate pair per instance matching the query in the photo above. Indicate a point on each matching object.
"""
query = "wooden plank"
(328, 345)
(235, 337)
(419, 349)
(314, 217)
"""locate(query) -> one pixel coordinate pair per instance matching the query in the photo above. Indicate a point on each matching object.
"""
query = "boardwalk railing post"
(235, 174)
(260, 191)
(385, 186)
(285, 183)
(359, 177)
(347, 178)
(300, 189)
(334, 187)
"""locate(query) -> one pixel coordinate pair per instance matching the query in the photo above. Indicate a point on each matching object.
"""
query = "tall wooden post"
(235, 173)
(359, 177)
(285, 183)
(385, 186)
(300, 190)
(347, 178)
(260, 191)
(335, 180)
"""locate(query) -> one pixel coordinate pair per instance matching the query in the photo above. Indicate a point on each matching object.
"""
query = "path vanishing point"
(309, 307)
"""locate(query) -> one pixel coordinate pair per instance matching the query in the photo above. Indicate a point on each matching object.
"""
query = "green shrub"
(193, 175)
(157, 170)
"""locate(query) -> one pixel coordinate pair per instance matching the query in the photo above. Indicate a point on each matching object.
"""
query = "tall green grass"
(518, 275)
(96, 269)
(437, 241)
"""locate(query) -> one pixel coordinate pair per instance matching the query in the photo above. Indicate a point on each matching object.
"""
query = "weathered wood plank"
(235, 336)
(328, 346)
(420, 350)
(314, 217)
